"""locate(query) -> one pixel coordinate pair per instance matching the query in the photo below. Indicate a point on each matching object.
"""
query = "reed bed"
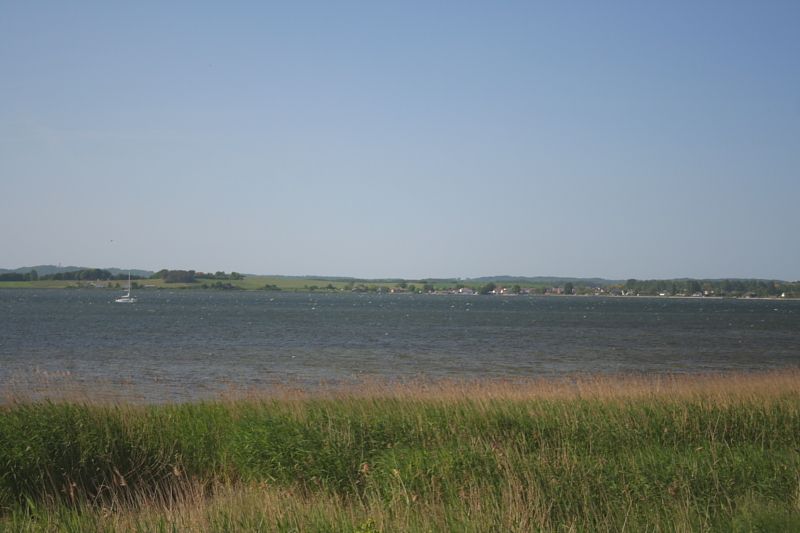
(665, 453)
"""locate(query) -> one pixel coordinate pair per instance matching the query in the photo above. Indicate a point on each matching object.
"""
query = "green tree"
(486, 289)
(727, 286)
(179, 276)
(515, 289)
(771, 289)
(568, 287)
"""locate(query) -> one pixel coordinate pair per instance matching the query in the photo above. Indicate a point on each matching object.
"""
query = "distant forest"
(53, 269)
(99, 274)
(77, 275)
(190, 276)
(88, 274)
(726, 287)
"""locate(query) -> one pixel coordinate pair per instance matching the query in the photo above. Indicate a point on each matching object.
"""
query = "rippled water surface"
(202, 337)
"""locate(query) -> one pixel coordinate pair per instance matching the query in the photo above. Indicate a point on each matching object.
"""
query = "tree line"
(190, 276)
(726, 287)
(86, 274)
(17, 276)
(99, 274)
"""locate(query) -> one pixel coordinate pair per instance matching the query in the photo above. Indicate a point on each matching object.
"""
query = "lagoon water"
(202, 338)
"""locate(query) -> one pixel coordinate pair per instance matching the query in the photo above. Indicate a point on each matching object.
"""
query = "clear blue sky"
(378, 139)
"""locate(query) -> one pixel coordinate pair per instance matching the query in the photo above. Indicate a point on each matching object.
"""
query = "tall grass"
(630, 453)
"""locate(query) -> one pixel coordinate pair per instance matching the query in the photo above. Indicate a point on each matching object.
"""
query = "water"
(199, 339)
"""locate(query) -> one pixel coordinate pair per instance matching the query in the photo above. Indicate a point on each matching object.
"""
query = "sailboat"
(127, 298)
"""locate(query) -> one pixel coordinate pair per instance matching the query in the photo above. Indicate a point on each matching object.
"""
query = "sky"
(648, 140)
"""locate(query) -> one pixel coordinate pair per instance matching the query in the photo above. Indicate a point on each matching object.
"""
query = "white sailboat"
(127, 298)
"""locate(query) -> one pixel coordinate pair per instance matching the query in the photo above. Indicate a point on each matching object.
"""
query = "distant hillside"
(43, 270)
(135, 272)
(347, 279)
(540, 280)
(716, 280)
(546, 280)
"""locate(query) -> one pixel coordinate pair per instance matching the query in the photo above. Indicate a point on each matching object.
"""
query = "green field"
(697, 453)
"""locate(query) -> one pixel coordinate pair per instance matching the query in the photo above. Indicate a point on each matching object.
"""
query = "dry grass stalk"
(719, 387)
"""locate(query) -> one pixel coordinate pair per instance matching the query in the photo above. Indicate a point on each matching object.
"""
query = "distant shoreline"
(197, 287)
(25, 285)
